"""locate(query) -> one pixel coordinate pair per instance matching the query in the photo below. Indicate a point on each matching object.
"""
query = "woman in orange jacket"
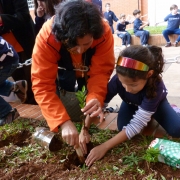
(75, 37)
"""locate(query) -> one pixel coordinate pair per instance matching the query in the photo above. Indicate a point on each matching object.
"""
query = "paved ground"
(171, 76)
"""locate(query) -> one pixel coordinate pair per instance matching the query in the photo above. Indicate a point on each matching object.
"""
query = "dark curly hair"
(151, 56)
(75, 19)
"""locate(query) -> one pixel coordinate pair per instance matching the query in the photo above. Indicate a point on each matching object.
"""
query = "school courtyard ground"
(171, 77)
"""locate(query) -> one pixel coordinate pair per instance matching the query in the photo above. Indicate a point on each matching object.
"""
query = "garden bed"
(21, 158)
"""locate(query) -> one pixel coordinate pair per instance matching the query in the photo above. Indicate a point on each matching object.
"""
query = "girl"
(138, 82)
(43, 10)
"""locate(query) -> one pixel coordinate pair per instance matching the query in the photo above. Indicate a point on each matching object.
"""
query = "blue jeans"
(6, 69)
(165, 116)
(126, 38)
(167, 32)
(144, 36)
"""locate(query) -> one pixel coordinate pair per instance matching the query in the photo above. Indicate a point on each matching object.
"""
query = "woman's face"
(132, 86)
(42, 4)
(82, 44)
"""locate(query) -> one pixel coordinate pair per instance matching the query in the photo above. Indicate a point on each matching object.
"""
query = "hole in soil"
(73, 160)
(20, 139)
(55, 144)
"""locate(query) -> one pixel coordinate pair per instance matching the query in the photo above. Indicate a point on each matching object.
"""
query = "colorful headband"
(132, 63)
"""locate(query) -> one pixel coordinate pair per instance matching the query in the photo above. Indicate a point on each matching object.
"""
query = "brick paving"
(34, 112)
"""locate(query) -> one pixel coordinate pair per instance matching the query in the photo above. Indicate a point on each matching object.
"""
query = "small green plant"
(151, 155)
(81, 96)
(131, 160)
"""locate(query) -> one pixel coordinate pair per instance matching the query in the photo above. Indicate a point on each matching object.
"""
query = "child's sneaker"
(10, 117)
(175, 44)
(20, 89)
(168, 44)
(128, 45)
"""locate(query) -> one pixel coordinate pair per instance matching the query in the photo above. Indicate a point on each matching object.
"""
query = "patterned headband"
(132, 63)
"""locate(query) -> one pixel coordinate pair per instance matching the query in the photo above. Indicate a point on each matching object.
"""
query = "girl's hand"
(84, 138)
(93, 107)
(95, 154)
(40, 11)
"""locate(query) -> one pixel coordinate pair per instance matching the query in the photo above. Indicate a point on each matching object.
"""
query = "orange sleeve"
(44, 73)
(102, 65)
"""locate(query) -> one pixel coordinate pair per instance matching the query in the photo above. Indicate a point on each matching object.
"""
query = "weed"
(131, 160)
(151, 155)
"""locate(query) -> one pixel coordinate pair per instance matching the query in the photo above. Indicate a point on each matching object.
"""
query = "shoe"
(10, 117)
(21, 90)
(123, 46)
(168, 44)
(128, 45)
(175, 44)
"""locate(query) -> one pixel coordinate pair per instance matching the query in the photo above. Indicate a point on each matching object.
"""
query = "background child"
(139, 84)
(110, 16)
(9, 60)
(138, 28)
(121, 31)
(173, 20)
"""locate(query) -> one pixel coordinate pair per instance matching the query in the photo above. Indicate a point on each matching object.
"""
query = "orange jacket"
(44, 72)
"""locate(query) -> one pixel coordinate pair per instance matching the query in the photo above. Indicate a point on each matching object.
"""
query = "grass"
(152, 29)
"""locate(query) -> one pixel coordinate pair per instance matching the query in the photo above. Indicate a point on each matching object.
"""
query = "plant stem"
(80, 155)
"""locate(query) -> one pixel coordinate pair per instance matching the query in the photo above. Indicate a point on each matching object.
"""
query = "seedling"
(151, 155)
(81, 96)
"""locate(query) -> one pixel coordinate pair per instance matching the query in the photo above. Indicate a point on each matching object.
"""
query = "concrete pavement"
(171, 76)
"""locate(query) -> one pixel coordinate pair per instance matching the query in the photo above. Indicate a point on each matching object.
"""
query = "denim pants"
(126, 38)
(6, 69)
(144, 36)
(165, 116)
(167, 32)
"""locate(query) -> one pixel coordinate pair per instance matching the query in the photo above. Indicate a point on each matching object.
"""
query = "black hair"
(107, 4)
(151, 56)
(75, 19)
(137, 11)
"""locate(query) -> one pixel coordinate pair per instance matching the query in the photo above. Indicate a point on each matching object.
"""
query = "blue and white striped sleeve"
(138, 122)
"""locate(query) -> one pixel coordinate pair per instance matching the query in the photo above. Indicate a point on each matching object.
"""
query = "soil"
(21, 158)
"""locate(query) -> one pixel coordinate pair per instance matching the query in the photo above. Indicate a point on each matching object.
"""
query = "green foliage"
(151, 29)
(151, 155)
(81, 96)
(131, 160)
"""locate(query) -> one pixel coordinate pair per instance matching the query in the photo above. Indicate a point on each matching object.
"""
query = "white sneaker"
(128, 45)
(123, 47)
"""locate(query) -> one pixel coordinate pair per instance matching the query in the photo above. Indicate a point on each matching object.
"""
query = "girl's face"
(82, 44)
(42, 4)
(132, 86)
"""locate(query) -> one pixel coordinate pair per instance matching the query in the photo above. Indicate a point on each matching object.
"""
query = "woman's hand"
(95, 154)
(84, 138)
(40, 11)
(93, 107)
(70, 134)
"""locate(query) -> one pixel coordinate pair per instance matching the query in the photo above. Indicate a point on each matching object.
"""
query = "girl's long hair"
(151, 56)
